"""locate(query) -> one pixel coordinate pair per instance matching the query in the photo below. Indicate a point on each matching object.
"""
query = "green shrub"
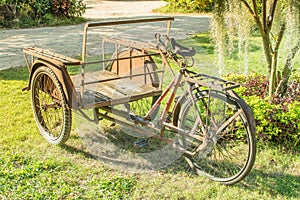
(24, 13)
(277, 118)
(188, 6)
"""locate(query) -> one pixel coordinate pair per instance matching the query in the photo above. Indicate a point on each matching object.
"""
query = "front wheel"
(51, 112)
(223, 139)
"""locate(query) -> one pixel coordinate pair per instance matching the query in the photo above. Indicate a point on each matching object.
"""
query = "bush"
(23, 13)
(188, 6)
(277, 118)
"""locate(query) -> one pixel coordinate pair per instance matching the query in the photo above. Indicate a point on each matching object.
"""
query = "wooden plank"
(100, 103)
(114, 91)
(46, 54)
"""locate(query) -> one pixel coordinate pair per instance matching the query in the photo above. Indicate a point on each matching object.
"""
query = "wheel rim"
(225, 157)
(47, 104)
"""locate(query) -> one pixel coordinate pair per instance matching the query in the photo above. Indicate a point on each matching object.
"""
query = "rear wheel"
(51, 112)
(224, 143)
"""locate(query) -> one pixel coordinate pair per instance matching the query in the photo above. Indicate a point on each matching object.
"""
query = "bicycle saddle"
(181, 50)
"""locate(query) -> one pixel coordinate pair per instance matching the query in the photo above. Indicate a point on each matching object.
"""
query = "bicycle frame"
(208, 123)
(161, 123)
(173, 86)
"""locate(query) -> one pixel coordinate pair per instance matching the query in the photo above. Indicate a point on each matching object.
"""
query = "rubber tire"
(44, 82)
(186, 105)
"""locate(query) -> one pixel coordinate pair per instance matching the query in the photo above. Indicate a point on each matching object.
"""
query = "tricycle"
(129, 86)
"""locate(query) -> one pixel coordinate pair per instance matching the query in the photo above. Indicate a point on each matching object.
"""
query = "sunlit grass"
(30, 168)
(205, 59)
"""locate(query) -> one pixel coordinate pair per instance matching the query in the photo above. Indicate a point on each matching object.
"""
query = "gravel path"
(67, 40)
(107, 9)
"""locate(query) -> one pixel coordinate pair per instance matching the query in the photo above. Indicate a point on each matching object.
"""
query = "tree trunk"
(273, 74)
(267, 49)
(287, 71)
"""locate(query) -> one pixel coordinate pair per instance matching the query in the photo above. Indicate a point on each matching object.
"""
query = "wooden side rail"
(132, 44)
(50, 56)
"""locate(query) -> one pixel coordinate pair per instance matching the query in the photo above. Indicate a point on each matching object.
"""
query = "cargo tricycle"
(129, 86)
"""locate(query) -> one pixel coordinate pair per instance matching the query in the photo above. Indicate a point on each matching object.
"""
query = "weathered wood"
(113, 91)
(144, 66)
(133, 44)
(50, 56)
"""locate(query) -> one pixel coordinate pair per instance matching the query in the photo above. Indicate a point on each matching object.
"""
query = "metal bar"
(130, 62)
(183, 132)
(132, 43)
(125, 115)
(216, 78)
(84, 42)
(110, 23)
(117, 56)
(159, 100)
(145, 131)
(223, 126)
(197, 110)
(124, 58)
(168, 31)
(170, 100)
(215, 85)
(103, 54)
(123, 77)
(82, 82)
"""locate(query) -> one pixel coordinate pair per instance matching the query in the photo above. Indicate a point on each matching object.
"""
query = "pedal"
(140, 143)
(138, 120)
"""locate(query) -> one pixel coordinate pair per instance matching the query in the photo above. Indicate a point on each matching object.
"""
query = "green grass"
(30, 168)
(48, 20)
(205, 59)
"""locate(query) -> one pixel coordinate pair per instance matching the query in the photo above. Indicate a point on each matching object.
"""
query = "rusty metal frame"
(111, 23)
(59, 62)
(134, 44)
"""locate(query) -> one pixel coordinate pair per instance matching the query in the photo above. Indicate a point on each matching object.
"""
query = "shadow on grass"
(273, 183)
(18, 73)
(76, 150)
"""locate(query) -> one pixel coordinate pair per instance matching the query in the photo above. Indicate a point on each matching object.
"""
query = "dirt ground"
(108, 9)
(67, 40)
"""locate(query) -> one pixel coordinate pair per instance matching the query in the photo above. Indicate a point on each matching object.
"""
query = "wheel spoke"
(228, 153)
(51, 113)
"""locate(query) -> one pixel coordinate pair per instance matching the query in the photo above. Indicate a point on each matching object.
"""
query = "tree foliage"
(274, 19)
(38, 10)
(189, 6)
(278, 118)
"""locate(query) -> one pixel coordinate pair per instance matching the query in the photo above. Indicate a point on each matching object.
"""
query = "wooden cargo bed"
(106, 88)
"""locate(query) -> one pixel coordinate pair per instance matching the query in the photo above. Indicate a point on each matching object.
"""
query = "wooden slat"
(114, 91)
(132, 43)
(45, 54)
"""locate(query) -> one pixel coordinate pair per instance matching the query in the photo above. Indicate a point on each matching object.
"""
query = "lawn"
(30, 168)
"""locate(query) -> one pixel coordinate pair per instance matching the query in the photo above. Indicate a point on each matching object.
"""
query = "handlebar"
(177, 49)
(163, 45)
